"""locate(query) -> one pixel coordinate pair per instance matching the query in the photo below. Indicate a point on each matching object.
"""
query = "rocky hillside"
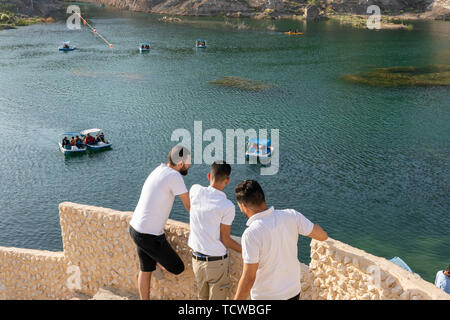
(257, 8)
(41, 8)
(431, 9)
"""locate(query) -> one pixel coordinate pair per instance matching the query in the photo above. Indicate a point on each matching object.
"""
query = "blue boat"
(200, 43)
(144, 47)
(68, 149)
(259, 149)
(66, 47)
(97, 144)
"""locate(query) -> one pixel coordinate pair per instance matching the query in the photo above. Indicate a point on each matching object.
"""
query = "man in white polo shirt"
(151, 214)
(269, 246)
(211, 217)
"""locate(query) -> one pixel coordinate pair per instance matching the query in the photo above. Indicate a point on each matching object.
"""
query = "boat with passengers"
(144, 47)
(65, 46)
(200, 43)
(72, 146)
(259, 149)
(95, 140)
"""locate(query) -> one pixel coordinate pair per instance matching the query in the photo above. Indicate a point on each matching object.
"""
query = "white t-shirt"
(271, 240)
(156, 200)
(209, 208)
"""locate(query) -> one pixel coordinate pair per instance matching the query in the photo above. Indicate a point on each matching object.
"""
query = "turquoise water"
(371, 165)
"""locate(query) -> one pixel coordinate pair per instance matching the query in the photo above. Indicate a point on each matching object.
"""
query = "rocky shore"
(17, 13)
(33, 8)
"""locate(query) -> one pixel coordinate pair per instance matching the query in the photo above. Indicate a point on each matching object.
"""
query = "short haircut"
(177, 154)
(448, 268)
(220, 170)
(250, 193)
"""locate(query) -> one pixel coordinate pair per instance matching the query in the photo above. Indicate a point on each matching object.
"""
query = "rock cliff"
(271, 8)
(42, 8)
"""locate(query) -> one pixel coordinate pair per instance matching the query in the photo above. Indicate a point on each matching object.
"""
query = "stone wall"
(342, 272)
(32, 274)
(97, 241)
(98, 252)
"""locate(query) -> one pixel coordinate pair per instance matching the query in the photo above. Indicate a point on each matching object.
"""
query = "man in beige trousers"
(211, 216)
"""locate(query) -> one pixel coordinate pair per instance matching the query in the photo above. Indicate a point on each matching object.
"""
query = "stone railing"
(344, 272)
(98, 252)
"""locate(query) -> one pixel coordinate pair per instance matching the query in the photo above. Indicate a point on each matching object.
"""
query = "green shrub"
(431, 75)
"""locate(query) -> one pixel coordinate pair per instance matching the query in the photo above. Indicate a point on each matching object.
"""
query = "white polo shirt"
(156, 200)
(271, 240)
(209, 208)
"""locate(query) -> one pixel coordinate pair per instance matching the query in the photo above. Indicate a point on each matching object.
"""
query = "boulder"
(312, 13)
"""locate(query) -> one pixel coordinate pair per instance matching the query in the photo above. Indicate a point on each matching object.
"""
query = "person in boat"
(143, 47)
(90, 139)
(78, 142)
(66, 46)
(102, 137)
(72, 141)
(443, 279)
(271, 268)
(147, 47)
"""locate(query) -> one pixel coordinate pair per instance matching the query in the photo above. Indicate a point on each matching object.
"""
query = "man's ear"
(209, 176)
(180, 165)
(228, 180)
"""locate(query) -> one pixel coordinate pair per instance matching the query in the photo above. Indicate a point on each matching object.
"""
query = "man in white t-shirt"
(443, 279)
(151, 214)
(211, 217)
(269, 246)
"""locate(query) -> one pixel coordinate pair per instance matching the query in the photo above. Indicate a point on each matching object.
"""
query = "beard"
(184, 171)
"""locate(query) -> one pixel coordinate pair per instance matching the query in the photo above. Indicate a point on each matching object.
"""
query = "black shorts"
(152, 249)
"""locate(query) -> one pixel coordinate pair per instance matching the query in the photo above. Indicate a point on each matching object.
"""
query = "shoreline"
(9, 20)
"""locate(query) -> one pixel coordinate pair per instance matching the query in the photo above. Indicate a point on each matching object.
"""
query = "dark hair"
(250, 193)
(177, 154)
(220, 170)
(448, 268)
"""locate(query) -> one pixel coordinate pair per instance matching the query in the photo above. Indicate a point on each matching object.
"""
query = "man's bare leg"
(144, 280)
(161, 267)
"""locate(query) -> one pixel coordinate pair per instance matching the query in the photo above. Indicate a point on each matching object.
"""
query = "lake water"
(370, 165)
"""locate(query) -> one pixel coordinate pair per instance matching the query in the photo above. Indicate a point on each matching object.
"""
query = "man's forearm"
(244, 287)
(230, 243)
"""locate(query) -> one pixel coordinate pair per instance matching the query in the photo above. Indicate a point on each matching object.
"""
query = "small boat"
(294, 33)
(67, 148)
(66, 47)
(144, 47)
(402, 264)
(95, 144)
(259, 149)
(200, 43)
